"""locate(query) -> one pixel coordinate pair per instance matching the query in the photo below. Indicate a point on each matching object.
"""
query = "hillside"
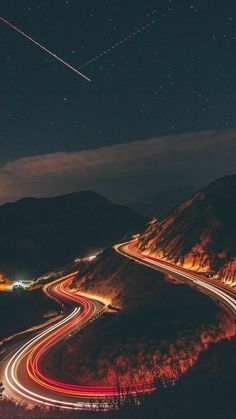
(40, 234)
(154, 330)
(199, 234)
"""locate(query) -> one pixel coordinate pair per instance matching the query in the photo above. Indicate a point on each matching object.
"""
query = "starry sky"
(176, 76)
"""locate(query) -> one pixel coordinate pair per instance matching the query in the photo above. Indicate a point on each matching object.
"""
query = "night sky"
(174, 77)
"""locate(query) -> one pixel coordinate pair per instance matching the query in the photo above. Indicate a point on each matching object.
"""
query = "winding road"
(220, 292)
(22, 369)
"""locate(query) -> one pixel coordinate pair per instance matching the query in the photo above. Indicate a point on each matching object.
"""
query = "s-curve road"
(22, 370)
(220, 292)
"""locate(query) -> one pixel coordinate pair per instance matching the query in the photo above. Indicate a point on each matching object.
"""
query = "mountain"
(163, 201)
(199, 234)
(40, 234)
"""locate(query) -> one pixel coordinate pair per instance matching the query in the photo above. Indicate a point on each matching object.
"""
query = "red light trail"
(24, 378)
(44, 48)
(213, 288)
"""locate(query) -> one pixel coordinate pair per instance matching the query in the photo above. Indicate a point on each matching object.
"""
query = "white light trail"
(216, 291)
(10, 368)
(35, 397)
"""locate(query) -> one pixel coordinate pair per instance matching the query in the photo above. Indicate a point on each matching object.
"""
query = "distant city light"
(20, 284)
(91, 257)
(88, 259)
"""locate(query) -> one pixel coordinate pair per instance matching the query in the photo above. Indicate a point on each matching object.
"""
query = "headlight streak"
(219, 291)
(40, 389)
(29, 356)
(85, 391)
(10, 369)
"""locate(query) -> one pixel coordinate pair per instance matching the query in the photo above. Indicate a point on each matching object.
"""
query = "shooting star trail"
(117, 44)
(44, 48)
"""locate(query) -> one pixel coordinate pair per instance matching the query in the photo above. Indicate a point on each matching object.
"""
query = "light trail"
(132, 35)
(44, 48)
(218, 291)
(23, 375)
(24, 378)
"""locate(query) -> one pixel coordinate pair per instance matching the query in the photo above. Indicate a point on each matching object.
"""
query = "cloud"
(124, 172)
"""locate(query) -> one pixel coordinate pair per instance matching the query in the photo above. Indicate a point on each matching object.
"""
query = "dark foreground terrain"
(21, 309)
(206, 392)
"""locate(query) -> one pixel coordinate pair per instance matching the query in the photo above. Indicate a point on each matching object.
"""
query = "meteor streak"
(117, 44)
(43, 48)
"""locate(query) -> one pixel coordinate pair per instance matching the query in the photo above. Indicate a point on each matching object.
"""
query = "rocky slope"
(40, 234)
(200, 233)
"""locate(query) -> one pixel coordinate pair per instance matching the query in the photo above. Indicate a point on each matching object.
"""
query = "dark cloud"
(124, 172)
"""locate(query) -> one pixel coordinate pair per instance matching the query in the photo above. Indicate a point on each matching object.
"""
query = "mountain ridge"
(199, 233)
(39, 234)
